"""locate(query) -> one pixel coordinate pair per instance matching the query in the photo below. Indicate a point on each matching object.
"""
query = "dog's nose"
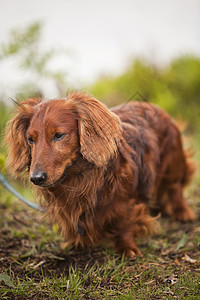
(38, 178)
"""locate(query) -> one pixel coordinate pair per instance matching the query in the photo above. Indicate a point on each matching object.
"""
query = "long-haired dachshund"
(99, 170)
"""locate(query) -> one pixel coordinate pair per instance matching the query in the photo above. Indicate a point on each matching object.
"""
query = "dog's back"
(164, 165)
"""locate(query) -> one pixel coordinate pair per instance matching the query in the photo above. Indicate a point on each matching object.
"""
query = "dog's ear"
(19, 154)
(99, 129)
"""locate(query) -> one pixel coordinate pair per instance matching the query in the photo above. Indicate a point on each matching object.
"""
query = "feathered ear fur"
(99, 129)
(15, 137)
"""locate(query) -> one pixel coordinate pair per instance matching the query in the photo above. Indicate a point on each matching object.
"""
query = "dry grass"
(33, 266)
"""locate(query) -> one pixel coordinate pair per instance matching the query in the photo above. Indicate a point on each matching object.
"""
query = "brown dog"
(99, 169)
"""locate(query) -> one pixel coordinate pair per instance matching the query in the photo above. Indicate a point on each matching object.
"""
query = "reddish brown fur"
(107, 170)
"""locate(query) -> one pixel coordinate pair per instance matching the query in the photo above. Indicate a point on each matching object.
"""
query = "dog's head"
(46, 137)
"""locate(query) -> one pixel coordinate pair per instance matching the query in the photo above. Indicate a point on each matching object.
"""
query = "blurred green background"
(175, 86)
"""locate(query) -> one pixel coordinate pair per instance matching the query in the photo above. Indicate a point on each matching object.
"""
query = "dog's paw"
(184, 215)
(133, 253)
(65, 245)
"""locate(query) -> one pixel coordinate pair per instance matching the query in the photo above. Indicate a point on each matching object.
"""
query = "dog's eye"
(30, 140)
(59, 136)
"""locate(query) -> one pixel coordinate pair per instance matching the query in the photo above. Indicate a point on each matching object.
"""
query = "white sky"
(103, 35)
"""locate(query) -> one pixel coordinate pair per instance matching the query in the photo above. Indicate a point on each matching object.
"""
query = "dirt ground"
(31, 248)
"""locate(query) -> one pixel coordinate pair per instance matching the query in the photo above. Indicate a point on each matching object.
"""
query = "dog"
(100, 170)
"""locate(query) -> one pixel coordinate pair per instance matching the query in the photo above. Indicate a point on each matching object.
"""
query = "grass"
(145, 278)
(33, 265)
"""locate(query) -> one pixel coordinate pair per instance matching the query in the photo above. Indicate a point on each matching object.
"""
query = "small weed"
(33, 265)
